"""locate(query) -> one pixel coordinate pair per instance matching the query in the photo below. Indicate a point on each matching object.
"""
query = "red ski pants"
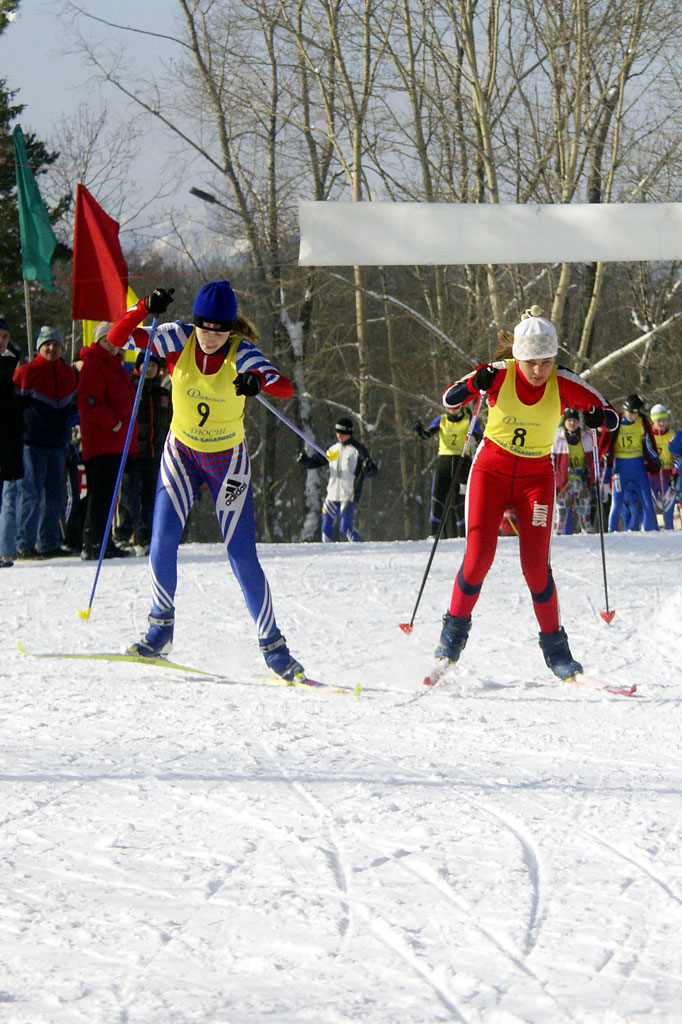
(499, 481)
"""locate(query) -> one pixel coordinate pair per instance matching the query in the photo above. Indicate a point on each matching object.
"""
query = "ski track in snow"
(490, 852)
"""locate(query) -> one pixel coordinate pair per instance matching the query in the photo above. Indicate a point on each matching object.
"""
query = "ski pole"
(606, 615)
(292, 426)
(133, 416)
(407, 626)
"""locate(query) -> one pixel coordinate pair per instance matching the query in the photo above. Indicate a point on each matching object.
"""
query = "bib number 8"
(203, 408)
(519, 437)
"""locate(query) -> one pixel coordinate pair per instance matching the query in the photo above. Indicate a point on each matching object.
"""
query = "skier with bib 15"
(526, 395)
(214, 365)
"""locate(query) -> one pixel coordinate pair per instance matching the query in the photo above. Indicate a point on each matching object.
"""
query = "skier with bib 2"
(214, 364)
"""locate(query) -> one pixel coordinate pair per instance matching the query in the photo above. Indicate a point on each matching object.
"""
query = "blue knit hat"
(48, 334)
(215, 307)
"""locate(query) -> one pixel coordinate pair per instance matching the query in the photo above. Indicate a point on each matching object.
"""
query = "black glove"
(419, 429)
(159, 300)
(484, 378)
(301, 457)
(366, 465)
(248, 383)
(594, 417)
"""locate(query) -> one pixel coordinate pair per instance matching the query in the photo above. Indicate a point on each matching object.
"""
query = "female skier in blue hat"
(214, 365)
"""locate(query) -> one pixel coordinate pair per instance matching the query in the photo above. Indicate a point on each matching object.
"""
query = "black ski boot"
(557, 654)
(453, 637)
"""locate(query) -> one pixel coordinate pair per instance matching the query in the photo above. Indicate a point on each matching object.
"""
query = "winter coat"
(106, 396)
(11, 420)
(46, 392)
(153, 418)
(349, 463)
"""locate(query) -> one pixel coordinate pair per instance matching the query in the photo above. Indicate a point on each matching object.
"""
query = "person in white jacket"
(349, 463)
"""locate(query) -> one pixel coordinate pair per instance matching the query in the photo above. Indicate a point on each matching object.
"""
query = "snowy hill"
(506, 850)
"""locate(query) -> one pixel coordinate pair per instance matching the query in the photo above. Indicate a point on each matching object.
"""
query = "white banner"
(396, 234)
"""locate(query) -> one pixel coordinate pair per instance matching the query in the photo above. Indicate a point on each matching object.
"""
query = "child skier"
(662, 482)
(214, 364)
(574, 473)
(349, 463)
(452, 428)
(513, 468)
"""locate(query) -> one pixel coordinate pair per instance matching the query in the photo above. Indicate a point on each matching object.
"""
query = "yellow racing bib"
(576, 455)
(452, 435)
(629, 443)
(207, 414)
(525, 430)
(664, 453)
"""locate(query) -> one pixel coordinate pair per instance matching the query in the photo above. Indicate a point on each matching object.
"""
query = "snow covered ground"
(176, 850)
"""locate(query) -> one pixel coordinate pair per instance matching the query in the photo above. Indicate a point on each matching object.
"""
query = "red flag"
(100, 273)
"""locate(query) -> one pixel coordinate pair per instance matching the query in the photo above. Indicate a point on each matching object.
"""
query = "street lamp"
(208, 197)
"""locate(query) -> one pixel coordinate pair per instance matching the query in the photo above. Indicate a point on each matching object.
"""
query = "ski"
(618, 689)
(439, 672)
(301, 682)
(442, 673)
(137, 659)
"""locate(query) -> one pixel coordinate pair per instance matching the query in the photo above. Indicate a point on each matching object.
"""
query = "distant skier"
(214, 365)
(513, 468)
(631, 449)
(349, 464)
(574, 472)
(451, 428)
(662, 486)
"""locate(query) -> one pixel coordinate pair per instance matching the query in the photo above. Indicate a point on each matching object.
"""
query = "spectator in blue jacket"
(11, 447)
(46, 388)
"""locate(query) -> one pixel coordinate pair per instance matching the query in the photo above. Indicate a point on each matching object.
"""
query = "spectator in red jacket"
(138, 487)
(46, 388)
(106, 396)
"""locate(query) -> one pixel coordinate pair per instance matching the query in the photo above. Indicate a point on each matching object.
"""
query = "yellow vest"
(576, 455)
(525, 430)
(451, 435)
(207, 414)
(629, 442)
(664, 453)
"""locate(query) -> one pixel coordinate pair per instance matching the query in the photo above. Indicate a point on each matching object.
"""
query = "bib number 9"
(203, 408)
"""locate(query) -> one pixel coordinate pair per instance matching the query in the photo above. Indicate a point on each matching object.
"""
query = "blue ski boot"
(453, 637)
(557, 654)
(158, 640)
(278, 658)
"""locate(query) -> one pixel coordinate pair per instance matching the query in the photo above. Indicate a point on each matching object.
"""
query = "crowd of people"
(638, 469)
(542, 450)
(63, 429)
(62, 432)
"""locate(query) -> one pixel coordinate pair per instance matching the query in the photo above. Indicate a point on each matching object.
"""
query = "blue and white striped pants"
(228, 476)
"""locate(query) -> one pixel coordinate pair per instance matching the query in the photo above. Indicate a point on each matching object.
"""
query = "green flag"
(38, 240)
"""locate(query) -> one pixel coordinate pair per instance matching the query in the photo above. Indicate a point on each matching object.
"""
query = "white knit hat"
(101, 331)
(659, 412)
(535, 337)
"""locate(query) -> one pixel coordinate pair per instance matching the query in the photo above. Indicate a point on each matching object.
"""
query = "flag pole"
(29, 324)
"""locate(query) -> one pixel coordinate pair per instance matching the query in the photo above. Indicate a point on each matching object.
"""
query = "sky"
(504, 850)
(51, 81)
